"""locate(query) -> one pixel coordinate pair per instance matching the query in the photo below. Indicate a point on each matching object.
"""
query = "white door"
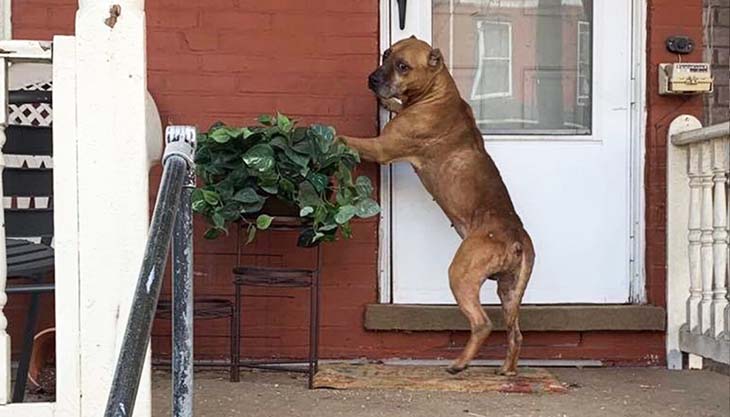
(549, 83)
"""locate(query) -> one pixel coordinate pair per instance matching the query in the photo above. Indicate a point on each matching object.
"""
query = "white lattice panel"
(32, 114)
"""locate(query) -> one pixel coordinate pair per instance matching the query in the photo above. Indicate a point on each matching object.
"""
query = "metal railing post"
(183, 303)
(178, 162)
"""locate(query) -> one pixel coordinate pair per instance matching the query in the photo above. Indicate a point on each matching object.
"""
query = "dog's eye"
(403, 67)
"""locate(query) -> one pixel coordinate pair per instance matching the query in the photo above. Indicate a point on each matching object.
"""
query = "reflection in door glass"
(523, 65)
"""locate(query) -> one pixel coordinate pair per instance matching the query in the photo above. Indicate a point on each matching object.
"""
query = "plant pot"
(280, 208)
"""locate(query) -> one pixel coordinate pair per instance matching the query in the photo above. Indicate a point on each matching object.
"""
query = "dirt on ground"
(609, 392)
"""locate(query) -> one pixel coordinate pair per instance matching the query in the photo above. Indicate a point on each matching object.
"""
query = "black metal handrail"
(171, 220)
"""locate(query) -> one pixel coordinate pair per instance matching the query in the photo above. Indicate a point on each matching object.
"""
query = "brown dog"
(435, 131)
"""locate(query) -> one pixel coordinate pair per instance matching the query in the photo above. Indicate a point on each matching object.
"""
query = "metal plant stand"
(282, 279)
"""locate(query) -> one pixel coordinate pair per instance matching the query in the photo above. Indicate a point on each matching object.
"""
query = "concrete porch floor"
(608, 392)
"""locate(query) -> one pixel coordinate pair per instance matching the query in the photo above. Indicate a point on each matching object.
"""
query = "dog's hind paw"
(453, 370)
(505, 373)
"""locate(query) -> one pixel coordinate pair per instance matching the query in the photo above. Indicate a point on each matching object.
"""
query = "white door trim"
(6, 31)
(637, 131)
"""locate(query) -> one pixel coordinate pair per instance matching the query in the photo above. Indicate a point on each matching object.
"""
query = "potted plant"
(252, 174)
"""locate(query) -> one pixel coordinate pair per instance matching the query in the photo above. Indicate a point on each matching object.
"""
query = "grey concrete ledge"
(411, 317)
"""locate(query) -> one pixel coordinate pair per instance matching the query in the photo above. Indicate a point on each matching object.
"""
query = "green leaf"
(231, 211)
(280, 142)
(367, 208)
(198, 202)
(212, 233)
(343, 196)
(286, 185)
(345, 213)
(299, 134)
(247, 132)
(225, 133)
(301, 160)
(220, 136)
(319, 181)
(324, 132)
(260, 157)
(265, 119)
(344, 175)
(218, 220)
(306, 211)
(271, 189)
(264, 221)
(255, 207)
(199, 206)
(210, 197)
(324, 137)
(363, 186)
(320, 215)
(346, 230)
(251, 234)
(308, 195)
(247, 195)
(283, 122)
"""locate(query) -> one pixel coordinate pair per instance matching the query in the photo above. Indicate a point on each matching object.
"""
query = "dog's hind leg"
(510, 288)
(506, 289)
(476, 259)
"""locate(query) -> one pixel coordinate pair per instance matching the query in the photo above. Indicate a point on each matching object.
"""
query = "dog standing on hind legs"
(435, 131)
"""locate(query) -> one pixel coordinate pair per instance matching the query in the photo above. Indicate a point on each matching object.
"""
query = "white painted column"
(720, 168)
(113, 164)
(706, 241)
(4, 337)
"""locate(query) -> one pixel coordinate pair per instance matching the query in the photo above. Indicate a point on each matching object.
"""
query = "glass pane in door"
(525, 66)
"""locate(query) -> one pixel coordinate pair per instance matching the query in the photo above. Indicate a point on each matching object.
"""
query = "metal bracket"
(181, 141)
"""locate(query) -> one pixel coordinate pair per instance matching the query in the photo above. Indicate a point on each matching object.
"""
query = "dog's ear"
(435, 58)
(413, 37)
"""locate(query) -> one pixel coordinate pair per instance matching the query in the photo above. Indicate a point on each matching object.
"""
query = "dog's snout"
(375, 79)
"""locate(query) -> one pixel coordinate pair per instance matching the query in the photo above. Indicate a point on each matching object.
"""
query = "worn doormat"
(433, 378)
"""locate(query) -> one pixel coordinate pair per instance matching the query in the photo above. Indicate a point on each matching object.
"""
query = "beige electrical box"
(685, 78)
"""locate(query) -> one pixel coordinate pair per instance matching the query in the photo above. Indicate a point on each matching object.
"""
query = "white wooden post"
(113, 165)
(680, 259)
(66, 233)
(4, 337)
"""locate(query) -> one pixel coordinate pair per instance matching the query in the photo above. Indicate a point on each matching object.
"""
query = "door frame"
(637, 149)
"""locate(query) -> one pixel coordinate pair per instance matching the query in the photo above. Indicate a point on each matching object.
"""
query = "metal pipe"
(19, 97)
(139, 324)
(183, 304)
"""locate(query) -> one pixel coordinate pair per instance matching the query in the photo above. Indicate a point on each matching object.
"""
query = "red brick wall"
(665, 18)
(233, 59)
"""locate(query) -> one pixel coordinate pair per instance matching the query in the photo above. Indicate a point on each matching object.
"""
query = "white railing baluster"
(695, 290)
(700, 326)
(4, 337)
(706, 240)
(720, 161)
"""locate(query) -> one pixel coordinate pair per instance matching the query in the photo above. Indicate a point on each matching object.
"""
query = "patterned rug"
(432, 378)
